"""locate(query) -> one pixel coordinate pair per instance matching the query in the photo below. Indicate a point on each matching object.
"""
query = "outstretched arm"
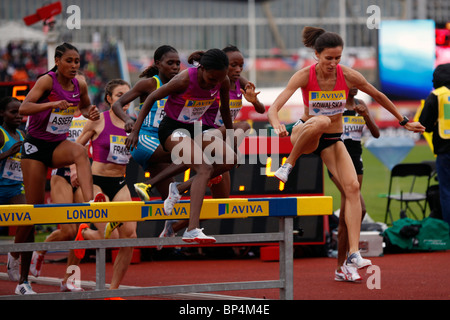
(355, 79)
(251, 95)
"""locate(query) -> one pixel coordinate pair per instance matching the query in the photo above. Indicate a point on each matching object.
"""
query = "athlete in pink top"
(325, 88)
(321, 102)
(110, 158)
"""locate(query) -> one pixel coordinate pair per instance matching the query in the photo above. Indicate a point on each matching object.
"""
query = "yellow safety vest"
(443, 94)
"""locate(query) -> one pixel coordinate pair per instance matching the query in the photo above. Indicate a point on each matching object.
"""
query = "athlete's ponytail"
(320, 39)
(213, 59)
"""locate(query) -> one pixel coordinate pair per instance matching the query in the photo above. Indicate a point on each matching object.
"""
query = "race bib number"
(118, 152)
(235, 108)
(353, 127)
(326, 103)
(60, 120)
(159, 114)
(194, 109)
(13, 170)
(75, 129)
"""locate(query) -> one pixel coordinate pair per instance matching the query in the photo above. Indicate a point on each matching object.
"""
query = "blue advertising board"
(406, 58)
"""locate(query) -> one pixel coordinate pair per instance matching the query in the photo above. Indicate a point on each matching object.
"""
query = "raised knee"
(321, 122)
(128, 233)
(206, 169)
(80, 151)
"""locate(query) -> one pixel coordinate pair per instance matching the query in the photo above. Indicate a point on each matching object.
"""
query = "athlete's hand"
(62, 105)
(14, 149)
(415, 126)
(249, 92)
(281, 130)
(361, 110)
(74, 176)
(129, 125)
(93, 113)
(132, 140)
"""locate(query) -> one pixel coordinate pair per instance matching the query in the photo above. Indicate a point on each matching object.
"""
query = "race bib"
(235, 108)
(75, 129)
(13, 170)
(118, 152)
(159, 114)
(353, 127)
(326, 103)
(194, 109)
(60, 120)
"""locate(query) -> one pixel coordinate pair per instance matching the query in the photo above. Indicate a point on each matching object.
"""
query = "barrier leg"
(287, 258)
(100, 265)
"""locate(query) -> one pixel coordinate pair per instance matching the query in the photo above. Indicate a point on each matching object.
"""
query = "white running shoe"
(37, 260)
(24, 289)
(172, 199)
(347, 273)
(197, 235)
(13, 268)
(282, 173)
(167, 231)
(69, 286)
(357, 261)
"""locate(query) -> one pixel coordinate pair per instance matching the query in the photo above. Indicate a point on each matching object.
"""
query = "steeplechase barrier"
(284, 208)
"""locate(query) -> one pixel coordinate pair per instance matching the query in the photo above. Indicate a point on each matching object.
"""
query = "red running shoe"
(100, 197)
(215, 180)
(79, 253)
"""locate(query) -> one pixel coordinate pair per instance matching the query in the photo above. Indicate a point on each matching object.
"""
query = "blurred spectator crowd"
(25, 61)
(22, 61)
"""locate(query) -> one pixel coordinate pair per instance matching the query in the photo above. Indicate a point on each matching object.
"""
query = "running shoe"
(357, 261)
(143, 191)
(215, 180)
(167, 231)
(110, 227)
(69, 286)
(347, 273)
(339, 275)
(37, 260)
(197, 235)
(13, 268)
(79, 253)
(172, 199)
(99, 197)
(24, 289)
(283, 172)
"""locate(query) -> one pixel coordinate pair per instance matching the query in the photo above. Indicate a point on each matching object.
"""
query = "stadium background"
(117, 40)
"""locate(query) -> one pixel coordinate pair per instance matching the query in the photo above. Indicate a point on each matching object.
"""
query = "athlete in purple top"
(110, 158)
(190, 94)
(239, 87)
(50, 106)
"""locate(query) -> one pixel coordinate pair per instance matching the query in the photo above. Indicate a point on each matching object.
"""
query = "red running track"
(411, 276)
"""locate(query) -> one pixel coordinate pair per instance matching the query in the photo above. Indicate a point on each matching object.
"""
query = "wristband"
(404, 121)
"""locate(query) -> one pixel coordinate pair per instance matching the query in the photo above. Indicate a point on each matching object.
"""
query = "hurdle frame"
(284, 237)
